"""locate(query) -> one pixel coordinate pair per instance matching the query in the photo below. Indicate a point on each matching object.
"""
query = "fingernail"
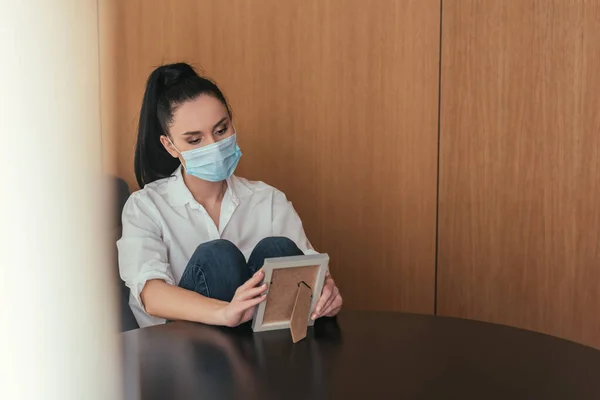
(318, 310)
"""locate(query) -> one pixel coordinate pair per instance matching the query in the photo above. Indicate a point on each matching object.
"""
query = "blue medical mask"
(215, 162)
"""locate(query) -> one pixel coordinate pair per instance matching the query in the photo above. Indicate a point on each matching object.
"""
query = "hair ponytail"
(167, 87)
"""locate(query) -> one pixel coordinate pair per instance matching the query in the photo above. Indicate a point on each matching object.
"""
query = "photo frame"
(284, 277)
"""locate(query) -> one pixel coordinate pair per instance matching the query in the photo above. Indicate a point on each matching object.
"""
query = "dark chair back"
(121, 192)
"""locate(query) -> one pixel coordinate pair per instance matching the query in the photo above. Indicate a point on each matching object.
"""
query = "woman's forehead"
(200, 114)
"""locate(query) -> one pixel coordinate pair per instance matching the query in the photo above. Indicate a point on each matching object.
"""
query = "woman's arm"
(172, 302)
(168, 301)
(144, 266)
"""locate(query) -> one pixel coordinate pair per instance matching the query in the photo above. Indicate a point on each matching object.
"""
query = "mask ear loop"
(177, 150)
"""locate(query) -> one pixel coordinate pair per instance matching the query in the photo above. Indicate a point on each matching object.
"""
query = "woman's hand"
(247, 296)
(330, 302)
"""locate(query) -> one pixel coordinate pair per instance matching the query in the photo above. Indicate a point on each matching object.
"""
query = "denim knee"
(283, 244)
(216, 269)
(272, 247)
(217, 245)
(220, 249)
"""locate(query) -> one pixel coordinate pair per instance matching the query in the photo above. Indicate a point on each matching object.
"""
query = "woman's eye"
(222, 131)
(194, 141)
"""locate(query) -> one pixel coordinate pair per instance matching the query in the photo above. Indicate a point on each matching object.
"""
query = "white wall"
(57, 311)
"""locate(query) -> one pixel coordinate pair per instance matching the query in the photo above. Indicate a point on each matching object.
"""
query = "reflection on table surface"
(186, 360)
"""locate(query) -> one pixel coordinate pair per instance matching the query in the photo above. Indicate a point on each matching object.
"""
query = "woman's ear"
(169, 147)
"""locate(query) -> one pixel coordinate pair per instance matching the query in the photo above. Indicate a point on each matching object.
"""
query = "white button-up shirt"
(163, 225)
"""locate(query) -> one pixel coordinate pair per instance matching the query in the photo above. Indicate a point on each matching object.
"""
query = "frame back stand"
(301, 312)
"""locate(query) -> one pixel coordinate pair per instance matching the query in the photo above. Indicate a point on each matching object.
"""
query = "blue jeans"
(218, 268)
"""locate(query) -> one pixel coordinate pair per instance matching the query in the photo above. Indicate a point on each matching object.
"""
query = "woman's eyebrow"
(220, 122)
(190, 133)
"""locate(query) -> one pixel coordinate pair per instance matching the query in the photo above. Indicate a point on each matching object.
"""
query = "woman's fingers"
(252, 292)
(252, 302)
(325, 295)
(327, 305)
(239, 306)
(253, 281)
(334, 307)
(333, 312)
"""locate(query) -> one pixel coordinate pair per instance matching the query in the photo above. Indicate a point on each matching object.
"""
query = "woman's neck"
(205, 192)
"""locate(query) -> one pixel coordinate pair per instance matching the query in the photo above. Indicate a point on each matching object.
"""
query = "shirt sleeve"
(142, 253)
(287, 223)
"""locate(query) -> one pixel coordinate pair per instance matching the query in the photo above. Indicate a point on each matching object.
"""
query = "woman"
(195, 236)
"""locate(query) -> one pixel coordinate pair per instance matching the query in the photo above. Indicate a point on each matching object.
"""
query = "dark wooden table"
(359, 355)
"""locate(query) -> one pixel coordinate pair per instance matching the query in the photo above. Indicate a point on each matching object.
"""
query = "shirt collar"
(180, 195)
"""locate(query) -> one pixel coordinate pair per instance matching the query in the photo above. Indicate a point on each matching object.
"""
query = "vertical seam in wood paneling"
(437, 200)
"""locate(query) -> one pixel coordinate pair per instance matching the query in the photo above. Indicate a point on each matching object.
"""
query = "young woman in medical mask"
(195, 236)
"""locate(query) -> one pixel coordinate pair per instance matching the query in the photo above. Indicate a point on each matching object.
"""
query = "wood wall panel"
(519, 215)
(335, 102)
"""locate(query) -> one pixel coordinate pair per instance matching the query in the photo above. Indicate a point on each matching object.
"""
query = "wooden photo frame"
(288, 279)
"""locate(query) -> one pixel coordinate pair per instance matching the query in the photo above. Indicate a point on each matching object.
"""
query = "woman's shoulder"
(150, 193)
(157, 187)
(255, 187)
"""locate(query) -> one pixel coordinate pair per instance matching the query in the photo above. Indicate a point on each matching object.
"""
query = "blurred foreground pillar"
(58, 329)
